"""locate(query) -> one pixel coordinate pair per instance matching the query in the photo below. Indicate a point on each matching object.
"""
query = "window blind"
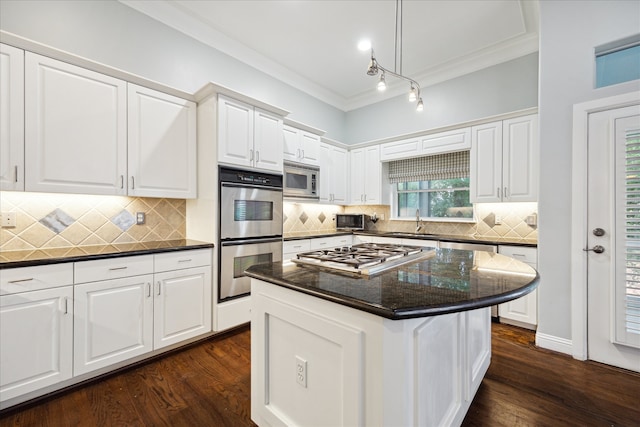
(427, 168)
(631, 290)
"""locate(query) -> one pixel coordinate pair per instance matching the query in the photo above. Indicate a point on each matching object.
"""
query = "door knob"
(597, 249)
(598, 232)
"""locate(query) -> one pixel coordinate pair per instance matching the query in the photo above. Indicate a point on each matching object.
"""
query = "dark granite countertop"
(450, 281)
(441, 237)
(29, 258)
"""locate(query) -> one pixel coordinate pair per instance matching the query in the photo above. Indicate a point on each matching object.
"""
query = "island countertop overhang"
(450, 281)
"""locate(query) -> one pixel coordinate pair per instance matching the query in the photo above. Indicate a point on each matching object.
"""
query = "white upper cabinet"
(11, 118)
(366, 178)
(436, 143)
(444, 142)
(267, 141)
(520, 159)
(301, 146)
(75, 129)
(248, 136)
(161, 144)
(504, 161)
(333, 174)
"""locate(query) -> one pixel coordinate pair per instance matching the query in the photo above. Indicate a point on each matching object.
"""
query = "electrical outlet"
(498, 220)
(140, 218)
(301, 371)
(381, 216)
(8, 219)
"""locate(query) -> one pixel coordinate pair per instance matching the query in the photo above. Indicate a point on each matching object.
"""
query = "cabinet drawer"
(521, 253)
(183, 259)
(296, 246)
(13, 280)
(330, 242)
(112, 268)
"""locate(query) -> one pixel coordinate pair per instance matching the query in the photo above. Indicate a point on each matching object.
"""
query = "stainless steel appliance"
(364, 258)
(301, 181)
(350, 221)
(250, 227)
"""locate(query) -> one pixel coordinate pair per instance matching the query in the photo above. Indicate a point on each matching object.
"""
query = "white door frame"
(579, 213)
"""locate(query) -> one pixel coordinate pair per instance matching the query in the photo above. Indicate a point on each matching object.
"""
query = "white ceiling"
(312, 44)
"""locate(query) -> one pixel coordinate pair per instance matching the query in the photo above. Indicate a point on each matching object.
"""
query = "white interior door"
(614, 237)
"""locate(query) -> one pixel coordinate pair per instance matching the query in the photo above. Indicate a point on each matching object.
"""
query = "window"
(437, 185)
(618, 62)
(440, 198)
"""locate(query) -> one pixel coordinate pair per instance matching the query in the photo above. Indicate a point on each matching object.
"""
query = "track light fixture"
(375, 67)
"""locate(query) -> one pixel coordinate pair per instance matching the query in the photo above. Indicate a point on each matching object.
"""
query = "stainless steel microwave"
(301, 181)
(350, 221)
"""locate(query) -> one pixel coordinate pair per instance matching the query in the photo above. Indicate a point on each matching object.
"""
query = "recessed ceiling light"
(364, 45)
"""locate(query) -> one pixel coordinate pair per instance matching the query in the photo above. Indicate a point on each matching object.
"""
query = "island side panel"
(361, 369)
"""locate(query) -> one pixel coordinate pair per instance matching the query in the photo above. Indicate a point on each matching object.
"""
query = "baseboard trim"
(551, 342)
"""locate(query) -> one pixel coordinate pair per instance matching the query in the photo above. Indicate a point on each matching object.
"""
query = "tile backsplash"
(65, 220)
(301, 219)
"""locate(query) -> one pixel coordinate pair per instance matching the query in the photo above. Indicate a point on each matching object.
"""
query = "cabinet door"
(161, 144)
(520, 159)
(522, 311)
(400, 149)
(291, 143)
(486, 163)
(36, 339)
(372, 176)
(356, 193)
(338, 175)
(267, 141)
(310, 146)
(182, 305)
(235, 132)
(445, 142)
(113, 322)
(11, 118)
(75, 129)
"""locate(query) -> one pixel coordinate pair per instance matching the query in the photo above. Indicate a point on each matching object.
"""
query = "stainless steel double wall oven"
(250, 226)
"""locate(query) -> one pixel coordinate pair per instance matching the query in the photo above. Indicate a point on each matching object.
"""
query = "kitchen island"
(408, 346)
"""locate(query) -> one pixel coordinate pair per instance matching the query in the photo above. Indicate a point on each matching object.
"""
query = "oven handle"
(261, 187)
(253, 241)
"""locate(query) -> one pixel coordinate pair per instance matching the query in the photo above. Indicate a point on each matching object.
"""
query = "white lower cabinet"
(182, 305)
(36, 340)
(113, 322)
(63, 323)
(523, 311)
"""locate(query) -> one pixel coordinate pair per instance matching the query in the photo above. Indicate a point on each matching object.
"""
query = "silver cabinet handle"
(21, 280)
(15, 170)
(133, 182)
(499, 194)
(121, 182)
(117, 268)
(158, 287)
(257, 156)
(185, 260)
(148, 290)
(251, 155)
(66, 306)
(302, 154)
(506, 194)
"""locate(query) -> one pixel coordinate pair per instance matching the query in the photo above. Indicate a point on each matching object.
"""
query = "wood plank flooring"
(208, 384)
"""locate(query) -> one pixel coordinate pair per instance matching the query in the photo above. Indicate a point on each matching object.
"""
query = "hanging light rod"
(375, 67)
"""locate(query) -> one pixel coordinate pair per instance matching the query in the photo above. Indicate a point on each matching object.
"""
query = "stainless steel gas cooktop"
(364, 258)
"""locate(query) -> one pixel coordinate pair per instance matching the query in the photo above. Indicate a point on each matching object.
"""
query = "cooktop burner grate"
(364, 258)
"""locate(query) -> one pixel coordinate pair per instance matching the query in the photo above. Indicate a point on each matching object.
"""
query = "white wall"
(117, 35)
(569, 31)
(499, 89)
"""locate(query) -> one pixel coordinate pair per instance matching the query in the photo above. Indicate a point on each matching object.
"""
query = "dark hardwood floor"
(208, 384)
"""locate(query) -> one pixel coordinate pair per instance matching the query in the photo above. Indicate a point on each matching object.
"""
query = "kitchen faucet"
(418, 226)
